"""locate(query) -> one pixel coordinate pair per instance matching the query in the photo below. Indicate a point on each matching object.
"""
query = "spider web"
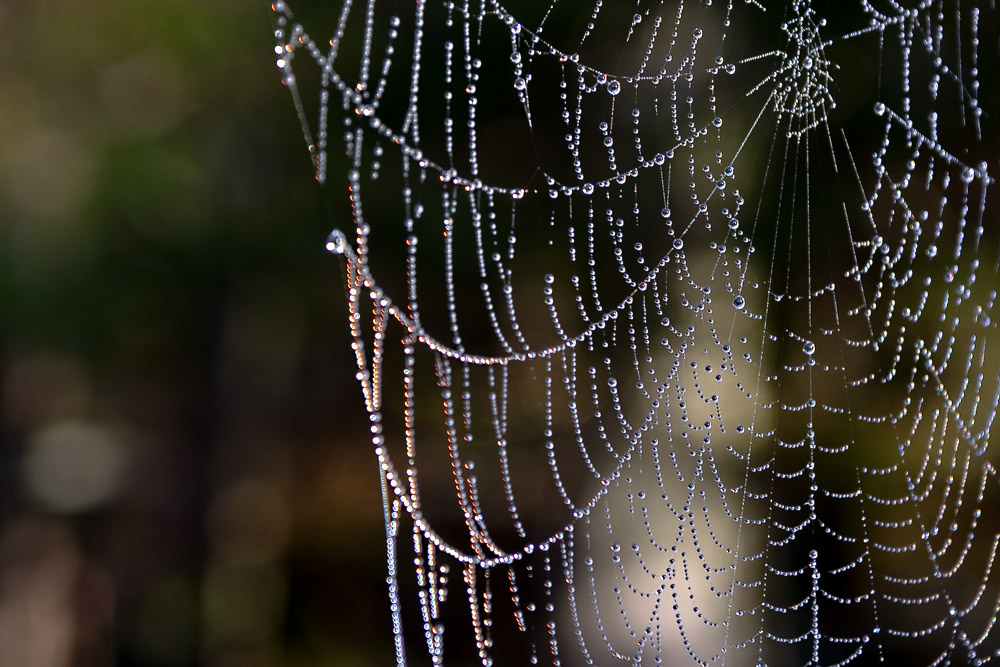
(701, 363)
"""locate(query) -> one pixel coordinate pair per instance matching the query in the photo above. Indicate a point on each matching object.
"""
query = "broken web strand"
(800, 98)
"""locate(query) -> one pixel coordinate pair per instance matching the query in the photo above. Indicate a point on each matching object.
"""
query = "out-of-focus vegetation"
(176, 487)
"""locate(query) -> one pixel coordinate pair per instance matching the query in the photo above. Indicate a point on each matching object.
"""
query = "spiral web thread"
(702, 361)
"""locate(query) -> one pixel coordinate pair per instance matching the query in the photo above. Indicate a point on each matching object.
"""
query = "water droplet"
(739, 302)
(520, 83)
(809, 347)
(587, 188)
(678, 244)
(614, 87)
(665, 213)
(336, 242)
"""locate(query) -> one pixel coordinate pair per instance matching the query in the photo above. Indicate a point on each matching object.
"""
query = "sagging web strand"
(725, 386)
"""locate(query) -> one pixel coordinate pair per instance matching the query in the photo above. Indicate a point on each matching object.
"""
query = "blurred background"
(178, 484)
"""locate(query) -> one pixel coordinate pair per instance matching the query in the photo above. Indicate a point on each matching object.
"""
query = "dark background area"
(179, 484)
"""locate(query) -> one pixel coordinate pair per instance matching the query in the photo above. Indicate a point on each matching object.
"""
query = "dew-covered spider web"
(674, 321)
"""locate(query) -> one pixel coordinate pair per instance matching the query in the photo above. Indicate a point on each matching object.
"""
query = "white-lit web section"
(674, 323)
